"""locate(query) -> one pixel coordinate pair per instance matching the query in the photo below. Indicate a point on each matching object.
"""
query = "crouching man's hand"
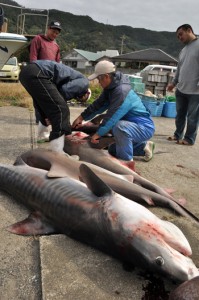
(95, 138)
(77, 122)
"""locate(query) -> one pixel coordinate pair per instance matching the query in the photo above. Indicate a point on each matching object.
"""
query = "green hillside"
(84, 33)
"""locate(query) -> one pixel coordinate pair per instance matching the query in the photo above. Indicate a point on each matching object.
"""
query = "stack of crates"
(137, 84)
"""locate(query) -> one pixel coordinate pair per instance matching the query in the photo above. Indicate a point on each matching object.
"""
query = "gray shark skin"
(188, 290)
(75, 145)
(98, 217)
(59, 165)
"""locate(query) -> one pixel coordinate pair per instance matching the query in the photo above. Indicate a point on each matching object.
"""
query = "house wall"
(75, 60)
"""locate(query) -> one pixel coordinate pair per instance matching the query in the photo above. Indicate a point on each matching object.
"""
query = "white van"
(148, 68)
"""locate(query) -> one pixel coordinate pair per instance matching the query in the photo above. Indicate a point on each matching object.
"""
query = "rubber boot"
(42, 134)
(149, 149)
(58, 144)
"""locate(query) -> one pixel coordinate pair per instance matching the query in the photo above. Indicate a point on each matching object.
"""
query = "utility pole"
(123, 37)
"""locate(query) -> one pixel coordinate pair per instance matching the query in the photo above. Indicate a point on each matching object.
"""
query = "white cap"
(102, 67)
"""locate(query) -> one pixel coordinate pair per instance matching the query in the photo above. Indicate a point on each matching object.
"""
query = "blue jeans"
(130, 139)
(187, 107)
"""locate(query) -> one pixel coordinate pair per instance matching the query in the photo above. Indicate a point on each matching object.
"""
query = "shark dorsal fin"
(93, 182)
(19, 162)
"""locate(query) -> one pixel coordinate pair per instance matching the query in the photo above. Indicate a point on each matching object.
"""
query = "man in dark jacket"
(126, 116)
(51, 85)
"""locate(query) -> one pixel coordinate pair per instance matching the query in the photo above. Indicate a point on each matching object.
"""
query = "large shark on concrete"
(99, 217)
(60, 165)
(79, 144)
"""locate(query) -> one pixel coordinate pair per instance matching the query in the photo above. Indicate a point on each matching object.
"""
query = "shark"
(91, 212)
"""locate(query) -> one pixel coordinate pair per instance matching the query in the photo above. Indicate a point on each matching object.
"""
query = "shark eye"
(159, 261)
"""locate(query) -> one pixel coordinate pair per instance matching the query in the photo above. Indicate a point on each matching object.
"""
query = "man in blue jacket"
(51, 85)
(126, 116)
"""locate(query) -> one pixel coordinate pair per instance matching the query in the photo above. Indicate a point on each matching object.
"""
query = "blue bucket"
(169, 110)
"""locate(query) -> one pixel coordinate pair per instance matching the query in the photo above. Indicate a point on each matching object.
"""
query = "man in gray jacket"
(51, 85)
(186, 81)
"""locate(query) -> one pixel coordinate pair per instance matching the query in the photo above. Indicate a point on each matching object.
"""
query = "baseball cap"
(102, 67)
(55, 24)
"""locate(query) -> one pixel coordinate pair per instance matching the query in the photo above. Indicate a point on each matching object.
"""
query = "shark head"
(156, 245)
(159, 256)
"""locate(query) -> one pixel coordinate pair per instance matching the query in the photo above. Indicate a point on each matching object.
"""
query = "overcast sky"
(156, 15)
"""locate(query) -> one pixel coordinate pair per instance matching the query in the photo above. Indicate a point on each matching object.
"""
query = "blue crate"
(155, 107)
(169, 110)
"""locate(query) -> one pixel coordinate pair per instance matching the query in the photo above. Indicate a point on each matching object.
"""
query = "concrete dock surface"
(58, 267)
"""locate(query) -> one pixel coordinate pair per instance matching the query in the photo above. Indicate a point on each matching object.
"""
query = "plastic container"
(138, 87)
(169, 110)
(135, 79)
(155, 106)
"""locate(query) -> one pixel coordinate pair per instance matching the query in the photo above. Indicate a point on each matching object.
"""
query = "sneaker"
(149, 149)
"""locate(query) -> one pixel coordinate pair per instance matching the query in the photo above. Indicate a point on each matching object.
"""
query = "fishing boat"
(9, 44)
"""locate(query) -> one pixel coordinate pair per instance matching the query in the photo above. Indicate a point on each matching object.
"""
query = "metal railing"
(25, 12)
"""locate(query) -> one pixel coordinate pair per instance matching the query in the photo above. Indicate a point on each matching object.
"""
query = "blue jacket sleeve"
(116, 111)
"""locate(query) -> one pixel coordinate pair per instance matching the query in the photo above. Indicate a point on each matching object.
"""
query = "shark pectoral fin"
(57, 171)
(148, 200)
(35, 224)
(75, 157)
(175, 238)
(93, 182)
(182, 201)
(170, 191)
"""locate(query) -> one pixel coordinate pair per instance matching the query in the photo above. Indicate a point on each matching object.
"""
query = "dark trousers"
(47, 100)
(187, 107)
